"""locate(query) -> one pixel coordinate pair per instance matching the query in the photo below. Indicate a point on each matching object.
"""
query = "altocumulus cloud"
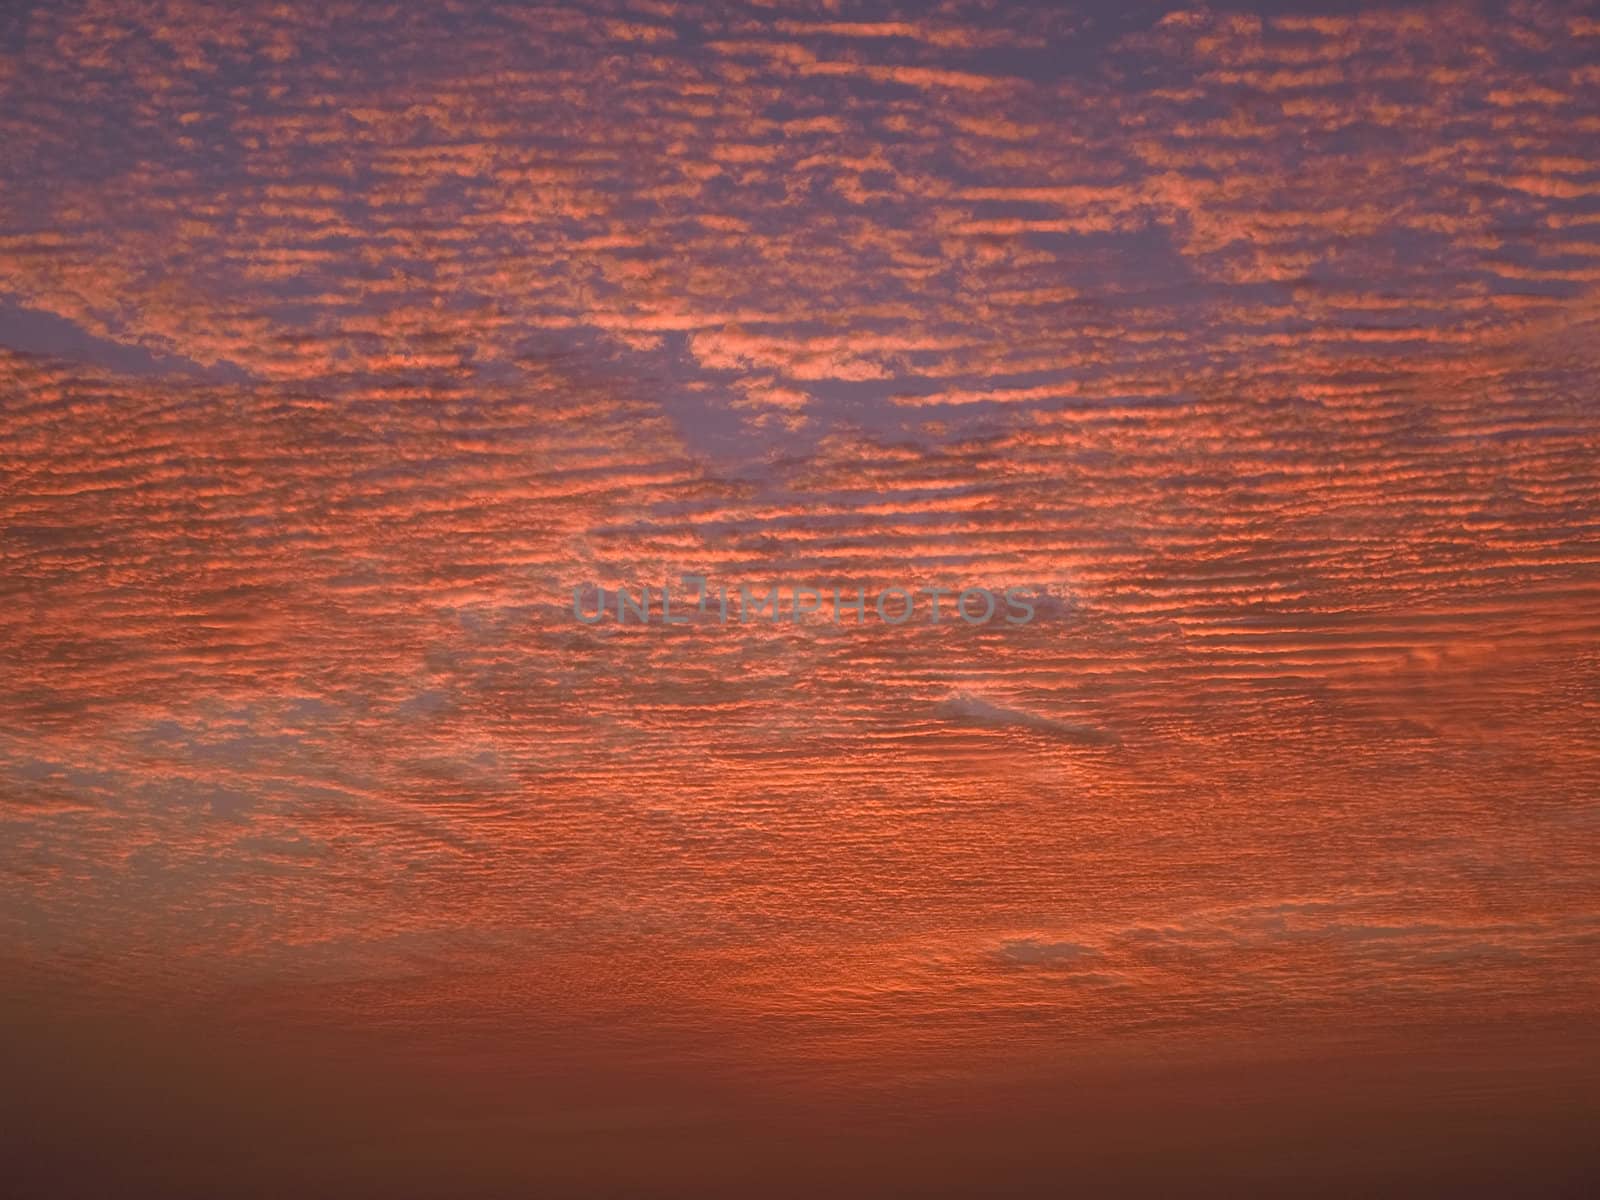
(965, 708)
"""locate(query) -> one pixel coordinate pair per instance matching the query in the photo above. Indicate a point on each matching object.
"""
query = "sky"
(1256, 344)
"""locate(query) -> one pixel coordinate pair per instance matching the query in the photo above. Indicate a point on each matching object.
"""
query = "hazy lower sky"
(340, 341)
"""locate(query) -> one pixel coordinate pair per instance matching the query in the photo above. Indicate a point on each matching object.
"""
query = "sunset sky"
(341, 341)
